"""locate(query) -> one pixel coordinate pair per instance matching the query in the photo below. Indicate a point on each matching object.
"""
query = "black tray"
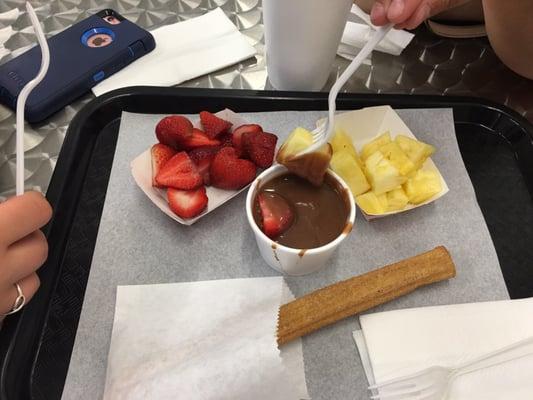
(35, 345)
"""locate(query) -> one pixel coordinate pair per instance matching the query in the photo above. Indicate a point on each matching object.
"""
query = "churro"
(352, 296)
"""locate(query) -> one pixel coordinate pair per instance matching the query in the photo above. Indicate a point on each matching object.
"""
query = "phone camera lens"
(110, 19)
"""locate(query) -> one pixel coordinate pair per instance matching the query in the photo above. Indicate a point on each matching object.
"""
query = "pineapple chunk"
(374, 145)
(382, 198)
(298, 140)
(392, 152)
(342, 142)
(424, 185)
(417, 151)
(382, 175)
(370, 203)
(344, 164)
(397, 199)
(311, 166)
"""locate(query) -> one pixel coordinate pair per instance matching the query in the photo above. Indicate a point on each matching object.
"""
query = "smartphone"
(80, 57)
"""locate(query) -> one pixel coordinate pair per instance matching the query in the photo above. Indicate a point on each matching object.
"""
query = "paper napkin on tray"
(203, 340)
(184, 50)
(396, 343)
(358, 30)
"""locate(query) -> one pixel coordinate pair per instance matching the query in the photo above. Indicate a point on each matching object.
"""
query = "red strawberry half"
(172, 130)
(213, 125)
(238, 132)
(260, 147)
(202, 157)
(160, 155)
(276, 214)
(229, 172)
(187, 203)
(198, 138)
(179, 173)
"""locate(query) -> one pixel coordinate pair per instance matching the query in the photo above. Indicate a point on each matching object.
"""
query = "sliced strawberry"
(260, 147)
(198, 138)
(213, 125)
(202, 157)
(226, 139)
(187, 203)
(160, 155)
(238, 132)
(276, 214)
(179, 173)
(229, 172)
(172, 130)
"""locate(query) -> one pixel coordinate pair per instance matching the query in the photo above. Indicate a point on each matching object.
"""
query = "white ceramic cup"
(301, 38)
(285, 259)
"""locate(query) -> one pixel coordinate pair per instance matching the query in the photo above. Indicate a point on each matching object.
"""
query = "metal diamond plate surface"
(429, 65)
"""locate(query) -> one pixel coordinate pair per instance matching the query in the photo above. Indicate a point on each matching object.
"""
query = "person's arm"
(23, 247)
(509, 25)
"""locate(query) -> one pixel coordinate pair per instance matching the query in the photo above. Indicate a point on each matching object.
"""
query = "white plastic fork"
(322, 134)
(23, 95)
(433, 383)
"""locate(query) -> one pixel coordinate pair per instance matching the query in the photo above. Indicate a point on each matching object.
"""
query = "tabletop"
(429, 65)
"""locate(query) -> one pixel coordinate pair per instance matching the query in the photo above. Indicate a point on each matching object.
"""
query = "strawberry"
(198, 139)
(276, 214)
(172, 130)
(179, 173)
(229, 172)
(160, 155)
(202, 157)
(226, 139)
(213, 125)
(260, 147)
(187, 203)
(238, 132)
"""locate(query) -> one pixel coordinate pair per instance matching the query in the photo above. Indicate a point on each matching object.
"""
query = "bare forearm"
(509, 26)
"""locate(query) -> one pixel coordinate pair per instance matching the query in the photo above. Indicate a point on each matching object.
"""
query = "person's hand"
(408, 14)
(23, 247)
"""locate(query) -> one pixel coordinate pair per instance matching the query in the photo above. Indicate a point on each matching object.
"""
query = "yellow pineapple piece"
(343, 163)
(370, 203)
(298, 140)
(374, 145)
(342, 142)
(397, 199)
(311, 166)
(424, 185)
(382, 175)
(417, 151)
(392, 152)
(382, 198)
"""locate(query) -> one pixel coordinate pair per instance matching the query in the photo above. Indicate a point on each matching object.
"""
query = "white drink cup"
(301, 38)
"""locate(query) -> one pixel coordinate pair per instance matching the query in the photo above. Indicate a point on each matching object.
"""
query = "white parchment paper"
(202, 340)
(138, 244)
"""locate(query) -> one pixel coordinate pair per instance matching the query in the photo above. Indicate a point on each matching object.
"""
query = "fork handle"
(374, 40)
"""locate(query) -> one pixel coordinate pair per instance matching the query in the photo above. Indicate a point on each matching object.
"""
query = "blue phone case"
(74, 66)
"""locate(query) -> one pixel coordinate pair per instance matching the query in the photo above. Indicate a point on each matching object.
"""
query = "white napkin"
(396, 343)
(184, 50)
(356, 34)
(203, 340)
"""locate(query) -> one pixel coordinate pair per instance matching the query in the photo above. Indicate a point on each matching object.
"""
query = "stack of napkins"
(397, 343)
(358, 30)
(203, 340)
(184, 50)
